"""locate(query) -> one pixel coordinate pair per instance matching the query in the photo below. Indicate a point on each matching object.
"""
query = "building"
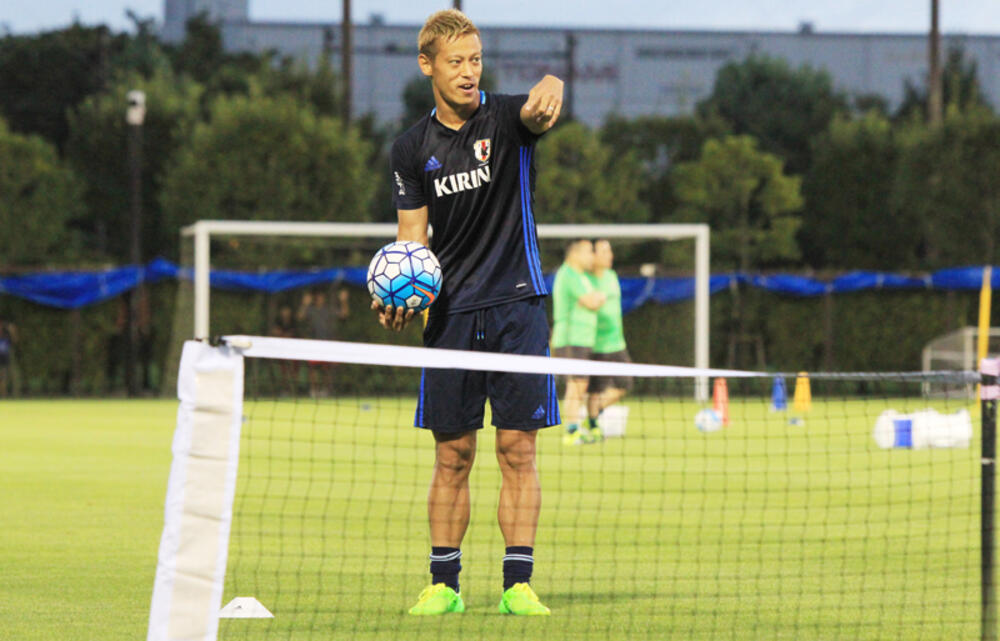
(629, 72)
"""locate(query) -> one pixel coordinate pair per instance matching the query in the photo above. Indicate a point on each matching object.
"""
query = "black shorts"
(598, 384)
(453, 401)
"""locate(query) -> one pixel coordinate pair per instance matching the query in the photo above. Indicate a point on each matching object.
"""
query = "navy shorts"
(453, 401)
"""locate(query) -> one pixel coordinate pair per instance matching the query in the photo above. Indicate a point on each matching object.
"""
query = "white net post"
(191, 564)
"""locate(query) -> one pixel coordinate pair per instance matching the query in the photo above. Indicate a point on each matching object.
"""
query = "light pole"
(135, 115)
(935, 99)
(346, 62)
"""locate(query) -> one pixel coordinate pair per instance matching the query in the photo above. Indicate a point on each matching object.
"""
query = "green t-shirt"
(610, 336)
(573, 324)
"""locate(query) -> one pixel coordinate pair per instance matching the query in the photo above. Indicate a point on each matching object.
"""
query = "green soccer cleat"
(437, 599)
(520, 599)
(580, 436)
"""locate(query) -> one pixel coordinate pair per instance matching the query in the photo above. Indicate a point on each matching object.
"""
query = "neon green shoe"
(437, 599)
(581, 436)
(520, 599)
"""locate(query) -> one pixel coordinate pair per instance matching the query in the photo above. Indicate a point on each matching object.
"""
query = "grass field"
(763, 530)
(82, 511)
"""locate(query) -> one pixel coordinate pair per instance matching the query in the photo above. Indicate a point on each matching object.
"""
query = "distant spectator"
(287, 326)
(8, 337)
(119, 342)
(320, 320)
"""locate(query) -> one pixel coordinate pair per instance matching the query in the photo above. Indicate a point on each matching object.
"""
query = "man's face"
(603, 256)
(585, 255)
(455, 70)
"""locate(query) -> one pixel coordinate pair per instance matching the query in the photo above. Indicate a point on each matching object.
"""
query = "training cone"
(720, 400)
(803, 395)
(779, 396)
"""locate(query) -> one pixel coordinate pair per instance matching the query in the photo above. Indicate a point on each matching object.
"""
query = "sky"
(894, 16)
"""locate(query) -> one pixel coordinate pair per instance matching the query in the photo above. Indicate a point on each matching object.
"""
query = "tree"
(783, 108)
(263, 158)
(38, 196)
(947, 184)
(658, 144)
(44, 76)
(97, 150)
(960, 89)
(849, 221)
(580, 180)
(744, 195)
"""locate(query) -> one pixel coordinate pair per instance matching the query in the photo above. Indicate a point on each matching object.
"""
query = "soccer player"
(609, 342)
(574, 313)
(467, 169)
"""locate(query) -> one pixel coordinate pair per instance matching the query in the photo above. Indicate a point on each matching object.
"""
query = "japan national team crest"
(482, 149)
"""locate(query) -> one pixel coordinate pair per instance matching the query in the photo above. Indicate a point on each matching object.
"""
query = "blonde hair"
(448, 25)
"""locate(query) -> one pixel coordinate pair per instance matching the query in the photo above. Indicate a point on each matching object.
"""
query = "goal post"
(204, 231)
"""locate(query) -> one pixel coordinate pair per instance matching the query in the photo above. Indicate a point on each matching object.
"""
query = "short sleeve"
(408, 189)
(510, 106)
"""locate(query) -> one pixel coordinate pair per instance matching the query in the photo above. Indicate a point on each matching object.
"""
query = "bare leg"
(595, 404)
(448, 498)
(610, 396)
(576, 389)
(520, 492)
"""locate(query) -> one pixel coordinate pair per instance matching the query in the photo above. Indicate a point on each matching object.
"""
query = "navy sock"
(592, 422)
(517, 565)
(446, 563)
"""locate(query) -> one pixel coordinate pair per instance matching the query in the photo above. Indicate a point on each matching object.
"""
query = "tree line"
(790, 172)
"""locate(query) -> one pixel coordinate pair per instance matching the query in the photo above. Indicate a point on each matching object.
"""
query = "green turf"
(760, 531)
(83, 484)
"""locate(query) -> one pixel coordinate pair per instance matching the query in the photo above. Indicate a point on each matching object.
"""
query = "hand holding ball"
(404, 274)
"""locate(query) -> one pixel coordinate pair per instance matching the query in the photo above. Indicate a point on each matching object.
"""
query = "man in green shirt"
(574, 310)
(609, 340)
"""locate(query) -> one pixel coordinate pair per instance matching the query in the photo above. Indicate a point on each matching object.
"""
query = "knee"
(456, 460)
(518, 455)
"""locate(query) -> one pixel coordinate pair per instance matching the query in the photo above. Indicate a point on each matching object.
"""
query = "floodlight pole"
(135, 115)
(346, 61)
(934, 90)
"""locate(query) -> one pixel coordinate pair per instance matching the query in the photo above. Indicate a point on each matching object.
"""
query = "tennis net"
(791, 506)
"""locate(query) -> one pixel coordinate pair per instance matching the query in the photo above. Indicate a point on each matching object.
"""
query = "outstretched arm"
(541, 110)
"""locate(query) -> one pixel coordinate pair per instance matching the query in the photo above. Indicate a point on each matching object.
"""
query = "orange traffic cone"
(720, 400)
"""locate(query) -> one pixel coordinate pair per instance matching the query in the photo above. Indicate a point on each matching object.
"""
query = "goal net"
(837, 506)
(956, 351)
(238, 275)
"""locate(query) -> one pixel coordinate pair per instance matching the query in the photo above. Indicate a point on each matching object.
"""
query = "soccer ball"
(404, 274)
(708, 420)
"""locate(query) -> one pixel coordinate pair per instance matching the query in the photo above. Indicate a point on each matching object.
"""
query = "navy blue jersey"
(478, 185)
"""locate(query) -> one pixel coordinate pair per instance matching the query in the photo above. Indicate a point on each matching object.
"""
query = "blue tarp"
(72, 290)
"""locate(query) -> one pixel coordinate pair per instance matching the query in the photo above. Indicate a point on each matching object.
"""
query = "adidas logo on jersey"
(461, 181)
(432, 164)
